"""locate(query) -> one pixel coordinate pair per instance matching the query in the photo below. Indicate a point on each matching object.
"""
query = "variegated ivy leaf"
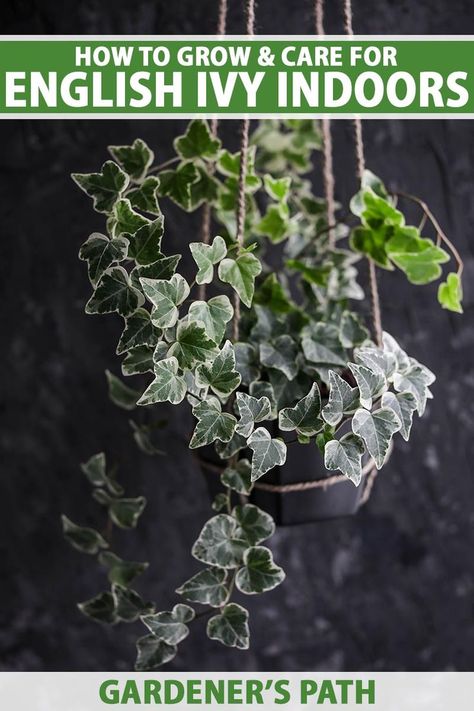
(376, 429)
(267, 452)
(105, 187)
(377, 359)
(170, 627)
(343, 400)
(205, 189)
(220, 543)
(246, 362)
(95, 470)
(277, 188)
(259, 572)
(138, 331)
(121, 571)
(215, 314)
(403, 405)
(280, 354)
(351, 331)
(230, 627)
(163, 268)
(371, 383)
(238, 477)
(276, 223)
(220, 502)
(166, 296)
(317, 352)
(226, 450)
(129, 606)
(134, 159)
(220, 375)
(261, 388)
(197, 142)
(120, 394)
(82, 539)
(152, 653)
(250, 411)
(390, 345)
(100, 608)
(419, 258)
(241, 273)
(100, 252)
(212, 424)
(305, 416)
(286, 392)
(114, 292)
(450, 293)
(192, 345)
(138, 360)
(146, 242)
(416, 381)
(125, 219)
(126, 512)
(206, 256)
(208, 587)
(176, 184)
(345, 454)
(255, 525)
(167, 385)
(145, 197)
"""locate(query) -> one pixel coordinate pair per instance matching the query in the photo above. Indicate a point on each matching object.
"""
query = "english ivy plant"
(304, 371)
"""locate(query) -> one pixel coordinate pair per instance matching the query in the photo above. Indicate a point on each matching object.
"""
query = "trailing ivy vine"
(304, 372)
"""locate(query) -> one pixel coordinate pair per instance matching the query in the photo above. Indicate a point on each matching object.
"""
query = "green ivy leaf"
(450, 293)
(371, 383)
(226, 450)
(208, 587)
(205, 189)
(220, 543)
(276, 223)
(206, 256)
(120, 394)
(134, 159)
(100, 252)
(369, 180)
(372, 243)
(121, 571)
(345, 455)
(403, 405)
(170, 627)
(114, 293)
(129, 606)
(145, 197)
(212, 424)
(166, 296)
(376, 429)
(85, 540)
(163, 268)
(305, 417)
(197, 142)
(125, 219)
(105, 187)
(418, 258)
(138, 360)
(240, 273)
(146, 242)
(176, 184)
(272, 295)
(237, 477)
(379, 211)
(100, 608)
(351, 331)
(267, 452)
(415, 381)
(246, 362)
(126, 512)
(343, 400)
(255, 525)
(277, 188)
(259, 573)
(220, 375)
(230, 627)
(250, 411)
(167, 386)
(214, 314)
(96, 472)
(317, 275)
(153, 653)
(138, 331)
(192, 345)
(280, 354)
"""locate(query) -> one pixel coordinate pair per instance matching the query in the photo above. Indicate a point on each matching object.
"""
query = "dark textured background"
(391, 589)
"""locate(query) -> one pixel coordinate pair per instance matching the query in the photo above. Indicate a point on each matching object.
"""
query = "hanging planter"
(297, 400)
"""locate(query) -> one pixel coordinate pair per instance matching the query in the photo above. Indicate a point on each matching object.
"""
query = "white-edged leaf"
(167, 385)
(259, 572)
(391, 346)
(135, 159)
(171, 626)
(152, 653)
(208, 587)
(220, 375)
(138, 331)
(246, 362)
(165, 295)
(250, 411)
(212, 424)
(371, 383)
(114, 292)
(376, 429)
(403, 405)
(206, 256)
(280, 354)
(267, 452)
(220, 543)
(238, 477)
(105, 187)
(192, 345)
(241, 273)
(416, 380)
(305, 416)
(100, 252)
(215, 314)
(230, 627)
(145, 244)
(343, 400)
(255, 525)
(345, 454)
(82, 538)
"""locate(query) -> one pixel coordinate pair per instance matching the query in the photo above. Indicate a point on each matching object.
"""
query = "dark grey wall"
(391, 589)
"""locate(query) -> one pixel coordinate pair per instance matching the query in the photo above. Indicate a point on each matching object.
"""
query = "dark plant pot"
(304, 463)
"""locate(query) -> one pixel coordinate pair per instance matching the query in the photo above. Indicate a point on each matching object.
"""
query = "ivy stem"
(439, 232)
(165, 164)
